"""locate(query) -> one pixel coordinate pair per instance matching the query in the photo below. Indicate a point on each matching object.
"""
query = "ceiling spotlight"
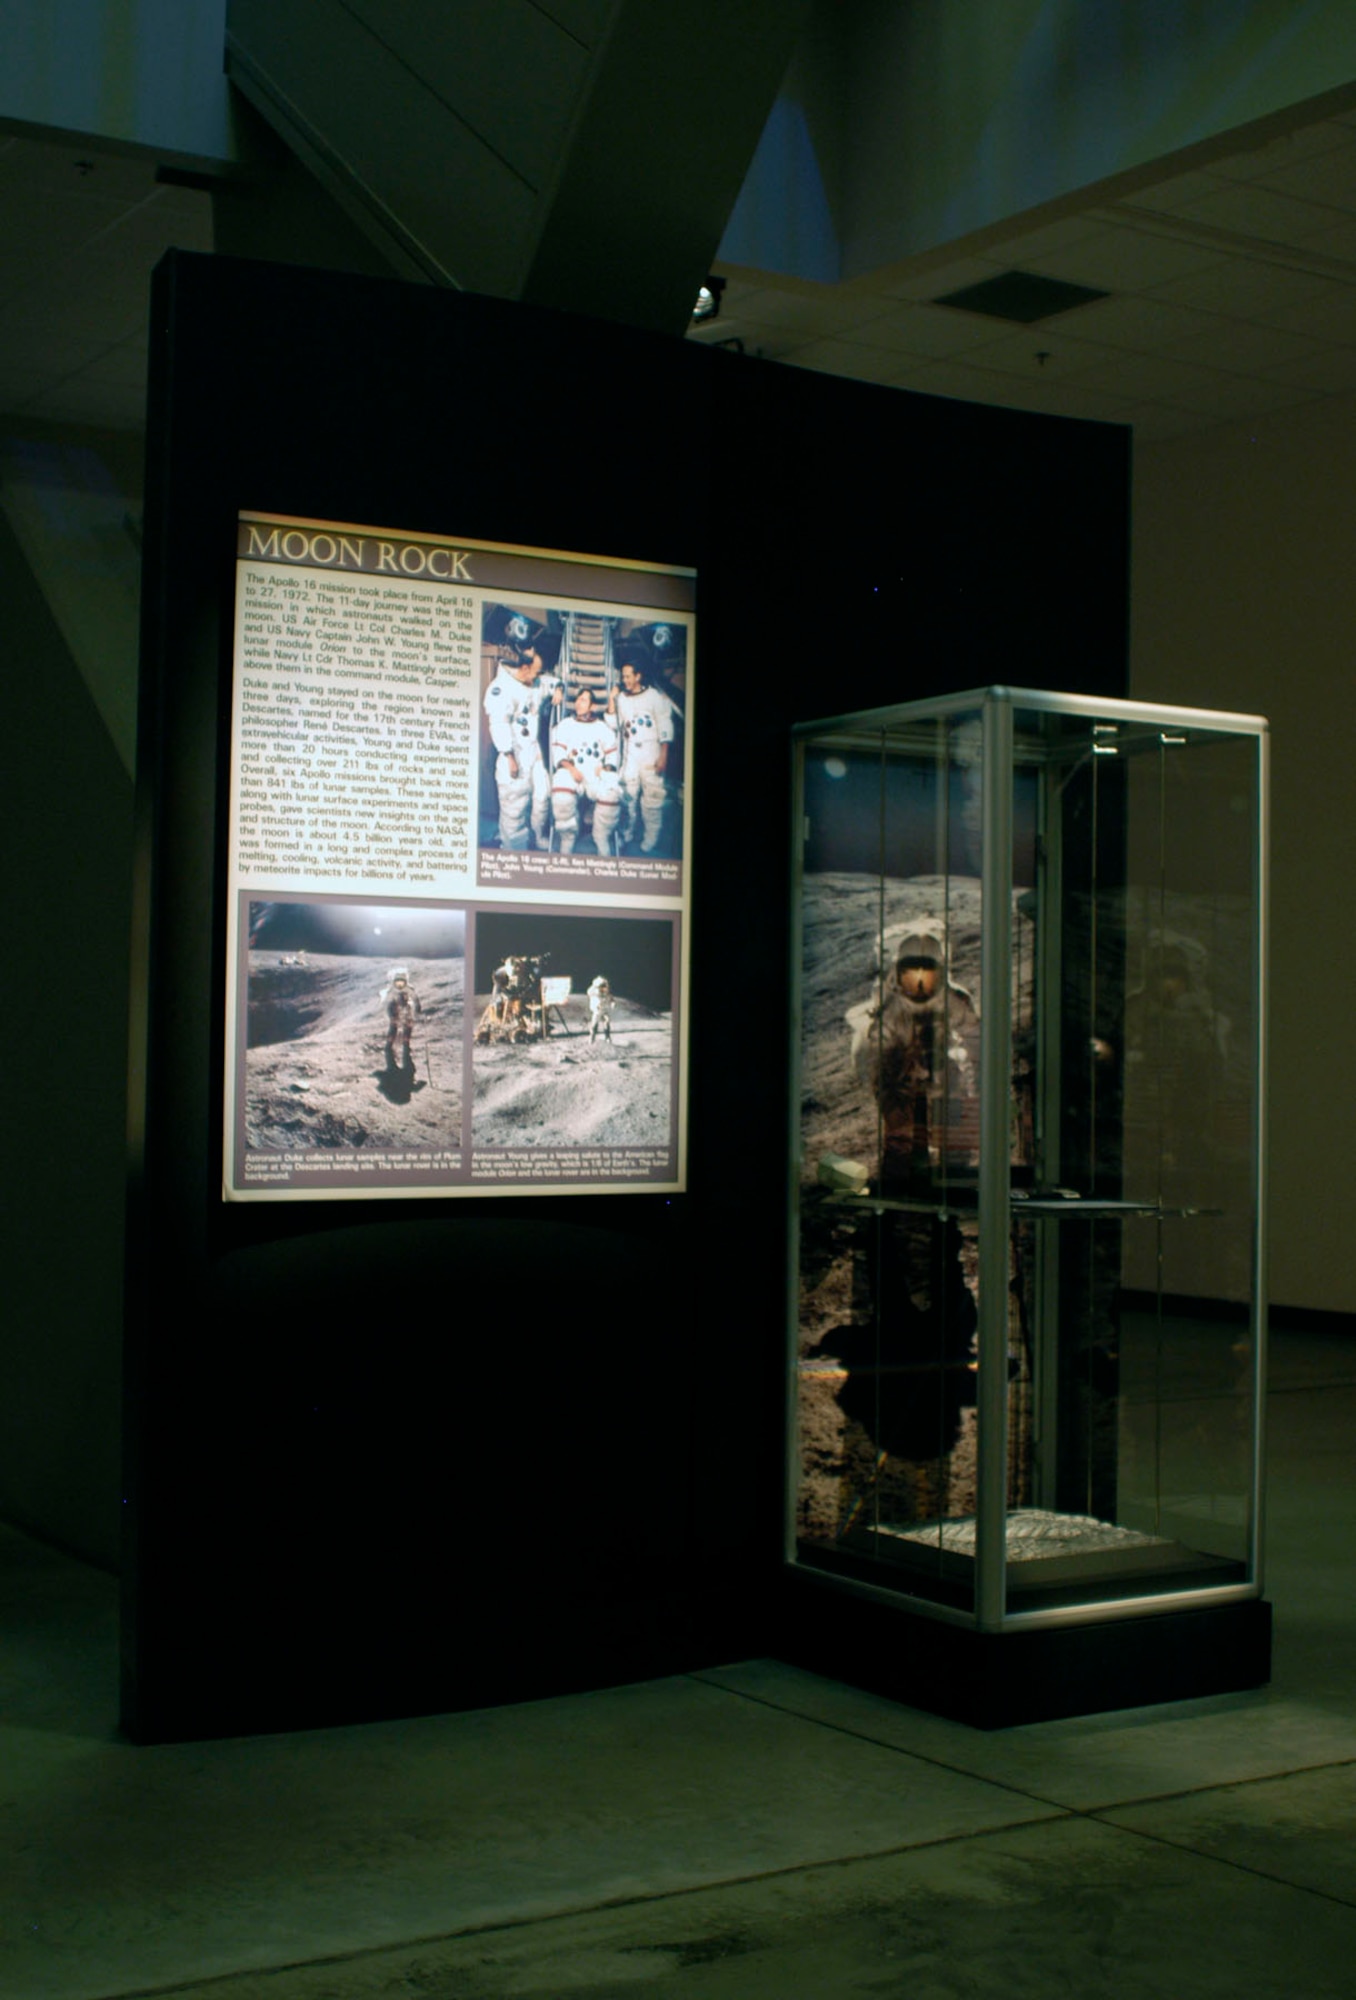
(708, 299)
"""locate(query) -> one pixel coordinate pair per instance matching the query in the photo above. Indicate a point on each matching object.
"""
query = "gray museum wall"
(67, 907)
(1244, 597)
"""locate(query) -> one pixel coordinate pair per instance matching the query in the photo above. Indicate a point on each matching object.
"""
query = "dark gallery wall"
(67, 893)
(382, 1458)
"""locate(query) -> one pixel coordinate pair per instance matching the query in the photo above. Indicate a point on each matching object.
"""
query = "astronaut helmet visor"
(918, 976)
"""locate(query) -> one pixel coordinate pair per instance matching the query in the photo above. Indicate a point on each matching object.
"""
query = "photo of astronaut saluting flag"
(574, 1039)
(584, 733)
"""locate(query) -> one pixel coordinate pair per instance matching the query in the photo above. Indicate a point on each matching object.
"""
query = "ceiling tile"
(1242, 286)
(83, 313)
(1119, 257)
(941, 278)
(1329, 371)
(19, 385)
(1051, 240)
(1010, 392)
(1329, 314)
(1139, 322)
(1176, 195)
(929, 330)
(1218, 396)
(1071, 399)
(193, 204)
(1238, 396)
(1153, 378)
(758, 337)
(1306, 143)
(976, 385)
(839, 357)
(823, 313)
(39, 345)
(77, 401)
(70, 166)
(1244, 349)
(1338, 242)
(1327, 178)
(125, 366)
(1155, 422)
(1041, 354)
(1259, 212)
(129, 254)
(59, 222)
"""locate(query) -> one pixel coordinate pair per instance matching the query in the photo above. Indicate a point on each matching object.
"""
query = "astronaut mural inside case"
(916, 1049)
(887, 1308)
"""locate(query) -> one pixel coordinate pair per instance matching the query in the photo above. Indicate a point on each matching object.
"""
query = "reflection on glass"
(1123, 1333)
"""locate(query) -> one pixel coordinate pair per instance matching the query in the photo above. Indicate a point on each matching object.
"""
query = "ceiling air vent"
(1020, 296)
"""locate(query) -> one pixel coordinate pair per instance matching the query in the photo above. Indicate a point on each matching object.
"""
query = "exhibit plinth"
(1000, 1680)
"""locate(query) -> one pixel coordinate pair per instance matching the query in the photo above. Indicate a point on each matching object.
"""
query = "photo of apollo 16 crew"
(583, 733)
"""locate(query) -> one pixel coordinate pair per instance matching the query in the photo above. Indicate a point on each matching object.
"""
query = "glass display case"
(1027, 1326)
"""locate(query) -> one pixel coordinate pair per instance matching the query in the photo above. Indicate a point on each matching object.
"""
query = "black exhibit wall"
(404, 1456)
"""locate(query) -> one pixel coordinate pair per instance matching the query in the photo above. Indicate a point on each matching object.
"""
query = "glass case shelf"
(1060, 1208)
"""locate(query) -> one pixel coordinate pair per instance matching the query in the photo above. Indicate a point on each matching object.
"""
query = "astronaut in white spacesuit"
(916, 1047)
(585, 764)
(600, 1009)
(646, 719)
(513, 704)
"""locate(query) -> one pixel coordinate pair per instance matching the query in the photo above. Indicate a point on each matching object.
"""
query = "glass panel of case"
(1125, 1323)
(887, 1435)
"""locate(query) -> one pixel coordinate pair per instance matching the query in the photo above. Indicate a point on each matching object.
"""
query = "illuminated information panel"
(458, 872)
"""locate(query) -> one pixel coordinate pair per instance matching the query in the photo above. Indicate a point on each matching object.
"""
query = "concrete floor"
(745, 1832)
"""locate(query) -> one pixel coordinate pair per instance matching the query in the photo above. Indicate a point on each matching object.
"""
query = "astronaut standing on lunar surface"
(600, 1008)
(916, 1047)
(402, 1011)
(513, 704)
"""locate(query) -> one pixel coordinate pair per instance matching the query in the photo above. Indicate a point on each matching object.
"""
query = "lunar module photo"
(1027, 1322)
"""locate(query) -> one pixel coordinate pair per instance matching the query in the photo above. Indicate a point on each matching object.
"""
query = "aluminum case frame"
(1001, 754)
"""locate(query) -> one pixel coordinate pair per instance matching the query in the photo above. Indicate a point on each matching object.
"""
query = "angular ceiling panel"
(408, 170)
(509, 72)
(579, 153)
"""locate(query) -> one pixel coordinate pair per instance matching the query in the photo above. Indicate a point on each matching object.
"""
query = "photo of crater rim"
(354, 1028)
(542, 1073)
